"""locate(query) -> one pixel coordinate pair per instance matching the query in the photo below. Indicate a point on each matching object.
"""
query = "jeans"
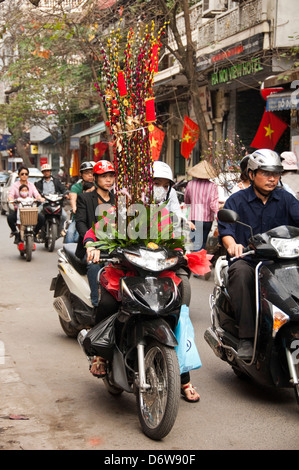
(200, 235)
(92, 276)
(72, 236)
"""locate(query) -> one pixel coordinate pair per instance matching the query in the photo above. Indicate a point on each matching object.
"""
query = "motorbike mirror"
(231, 217)
(228, 216)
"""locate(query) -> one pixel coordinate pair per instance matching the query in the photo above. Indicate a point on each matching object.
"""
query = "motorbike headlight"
(152, 261)
(286, 247)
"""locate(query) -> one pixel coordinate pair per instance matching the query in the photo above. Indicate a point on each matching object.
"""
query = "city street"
(57, 404)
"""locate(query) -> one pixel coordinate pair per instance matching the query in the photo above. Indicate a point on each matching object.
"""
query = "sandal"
(98, 367)
(189, 388)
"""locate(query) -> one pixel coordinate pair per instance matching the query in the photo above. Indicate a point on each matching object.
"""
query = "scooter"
(141, 358)
(28, 219)
(52, 210)
(275, 358)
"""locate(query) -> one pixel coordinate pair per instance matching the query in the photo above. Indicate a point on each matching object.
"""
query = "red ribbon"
(199, 262)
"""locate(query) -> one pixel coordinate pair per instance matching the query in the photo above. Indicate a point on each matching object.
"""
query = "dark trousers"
(241, 288)
(12, 220)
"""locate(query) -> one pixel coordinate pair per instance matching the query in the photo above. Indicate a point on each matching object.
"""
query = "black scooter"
(52, 210)
(138, 340)
(275, 359)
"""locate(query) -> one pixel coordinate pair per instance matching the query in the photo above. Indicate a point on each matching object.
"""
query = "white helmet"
(289, 161)
(266, 160)
(162, 170)
(45, 167)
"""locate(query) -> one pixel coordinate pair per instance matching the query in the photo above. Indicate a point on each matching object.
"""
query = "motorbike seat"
(79, 264)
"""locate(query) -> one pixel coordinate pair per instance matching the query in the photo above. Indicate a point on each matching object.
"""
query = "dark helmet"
(86, 166)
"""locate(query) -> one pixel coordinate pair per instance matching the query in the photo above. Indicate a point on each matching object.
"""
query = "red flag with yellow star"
(269, 132)
(189, 136)
(156, 137)
(99, 150)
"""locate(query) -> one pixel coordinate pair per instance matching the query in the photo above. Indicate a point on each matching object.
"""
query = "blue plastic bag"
(186, 350)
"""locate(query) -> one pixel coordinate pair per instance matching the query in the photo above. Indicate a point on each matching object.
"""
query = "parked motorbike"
(142, 360)
(275, 356)
(28, 219)
(52, 210)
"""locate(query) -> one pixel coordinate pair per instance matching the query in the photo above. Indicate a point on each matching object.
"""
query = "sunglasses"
(21, 174)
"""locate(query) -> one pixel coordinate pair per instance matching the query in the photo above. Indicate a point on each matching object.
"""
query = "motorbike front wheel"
(158, 405)
(52, 237)
(29, 247)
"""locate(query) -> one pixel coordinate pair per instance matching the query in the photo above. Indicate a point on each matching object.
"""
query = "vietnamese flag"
(189, 136)
(99, 150)
(269, 132)
(156, 137)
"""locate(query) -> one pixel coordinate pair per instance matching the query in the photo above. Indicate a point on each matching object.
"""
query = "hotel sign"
(227, 74)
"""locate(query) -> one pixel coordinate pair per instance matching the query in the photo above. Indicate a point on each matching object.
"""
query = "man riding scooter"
(262, 206)
(50, 185)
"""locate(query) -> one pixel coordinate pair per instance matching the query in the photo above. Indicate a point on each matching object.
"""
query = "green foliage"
(150, 224)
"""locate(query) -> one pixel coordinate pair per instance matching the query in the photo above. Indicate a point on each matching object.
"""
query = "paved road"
(44, 377)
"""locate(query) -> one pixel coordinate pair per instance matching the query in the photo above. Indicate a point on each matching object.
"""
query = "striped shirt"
(202, 195)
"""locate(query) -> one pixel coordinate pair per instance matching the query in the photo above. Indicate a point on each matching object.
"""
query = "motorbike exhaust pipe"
(214, 342)
(62, 308)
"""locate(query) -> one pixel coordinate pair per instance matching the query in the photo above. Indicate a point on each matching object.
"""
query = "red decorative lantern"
(154, 58)
(150, 112)
(121, 84)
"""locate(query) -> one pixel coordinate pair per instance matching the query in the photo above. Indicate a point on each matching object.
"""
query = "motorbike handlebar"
(247, 251)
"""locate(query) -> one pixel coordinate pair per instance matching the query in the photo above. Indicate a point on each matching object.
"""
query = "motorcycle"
(274, 361)
(28, 213)
(142, 359)
(52, 210)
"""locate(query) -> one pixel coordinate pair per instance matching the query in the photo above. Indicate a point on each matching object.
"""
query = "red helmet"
(103, 166)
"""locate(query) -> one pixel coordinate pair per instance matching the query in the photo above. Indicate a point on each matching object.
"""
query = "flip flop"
(98, 364)
(189, 387)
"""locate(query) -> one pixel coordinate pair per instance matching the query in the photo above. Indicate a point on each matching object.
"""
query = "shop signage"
(243, 49)
(234, 72)
(282, 101)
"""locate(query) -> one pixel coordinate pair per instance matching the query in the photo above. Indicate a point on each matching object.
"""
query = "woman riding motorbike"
(163, 181)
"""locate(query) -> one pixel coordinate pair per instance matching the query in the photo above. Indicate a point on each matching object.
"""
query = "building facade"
(239, 45)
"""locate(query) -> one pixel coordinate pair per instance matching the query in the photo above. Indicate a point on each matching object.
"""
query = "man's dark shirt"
(282, 208)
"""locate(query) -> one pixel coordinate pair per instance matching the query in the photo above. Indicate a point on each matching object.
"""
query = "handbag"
(186, 350)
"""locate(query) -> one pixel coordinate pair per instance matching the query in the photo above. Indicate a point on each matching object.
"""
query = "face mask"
(160, 194)
(23, 194)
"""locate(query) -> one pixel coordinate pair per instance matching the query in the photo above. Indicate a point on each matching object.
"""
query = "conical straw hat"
(202, 170)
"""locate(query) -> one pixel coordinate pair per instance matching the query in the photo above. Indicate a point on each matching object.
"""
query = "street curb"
(20, 428)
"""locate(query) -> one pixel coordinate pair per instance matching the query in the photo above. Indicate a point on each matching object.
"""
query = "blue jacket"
(282, 208)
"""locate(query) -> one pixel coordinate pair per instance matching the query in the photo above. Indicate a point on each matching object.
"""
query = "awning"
(93, 131)
(96, 129)
(282, 101)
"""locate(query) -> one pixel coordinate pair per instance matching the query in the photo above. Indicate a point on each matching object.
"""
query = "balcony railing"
(66, 3)
(228, 24)
(207, 32)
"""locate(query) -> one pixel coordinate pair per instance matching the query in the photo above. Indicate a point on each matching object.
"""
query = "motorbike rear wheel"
(158, 406)
(29, 247)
